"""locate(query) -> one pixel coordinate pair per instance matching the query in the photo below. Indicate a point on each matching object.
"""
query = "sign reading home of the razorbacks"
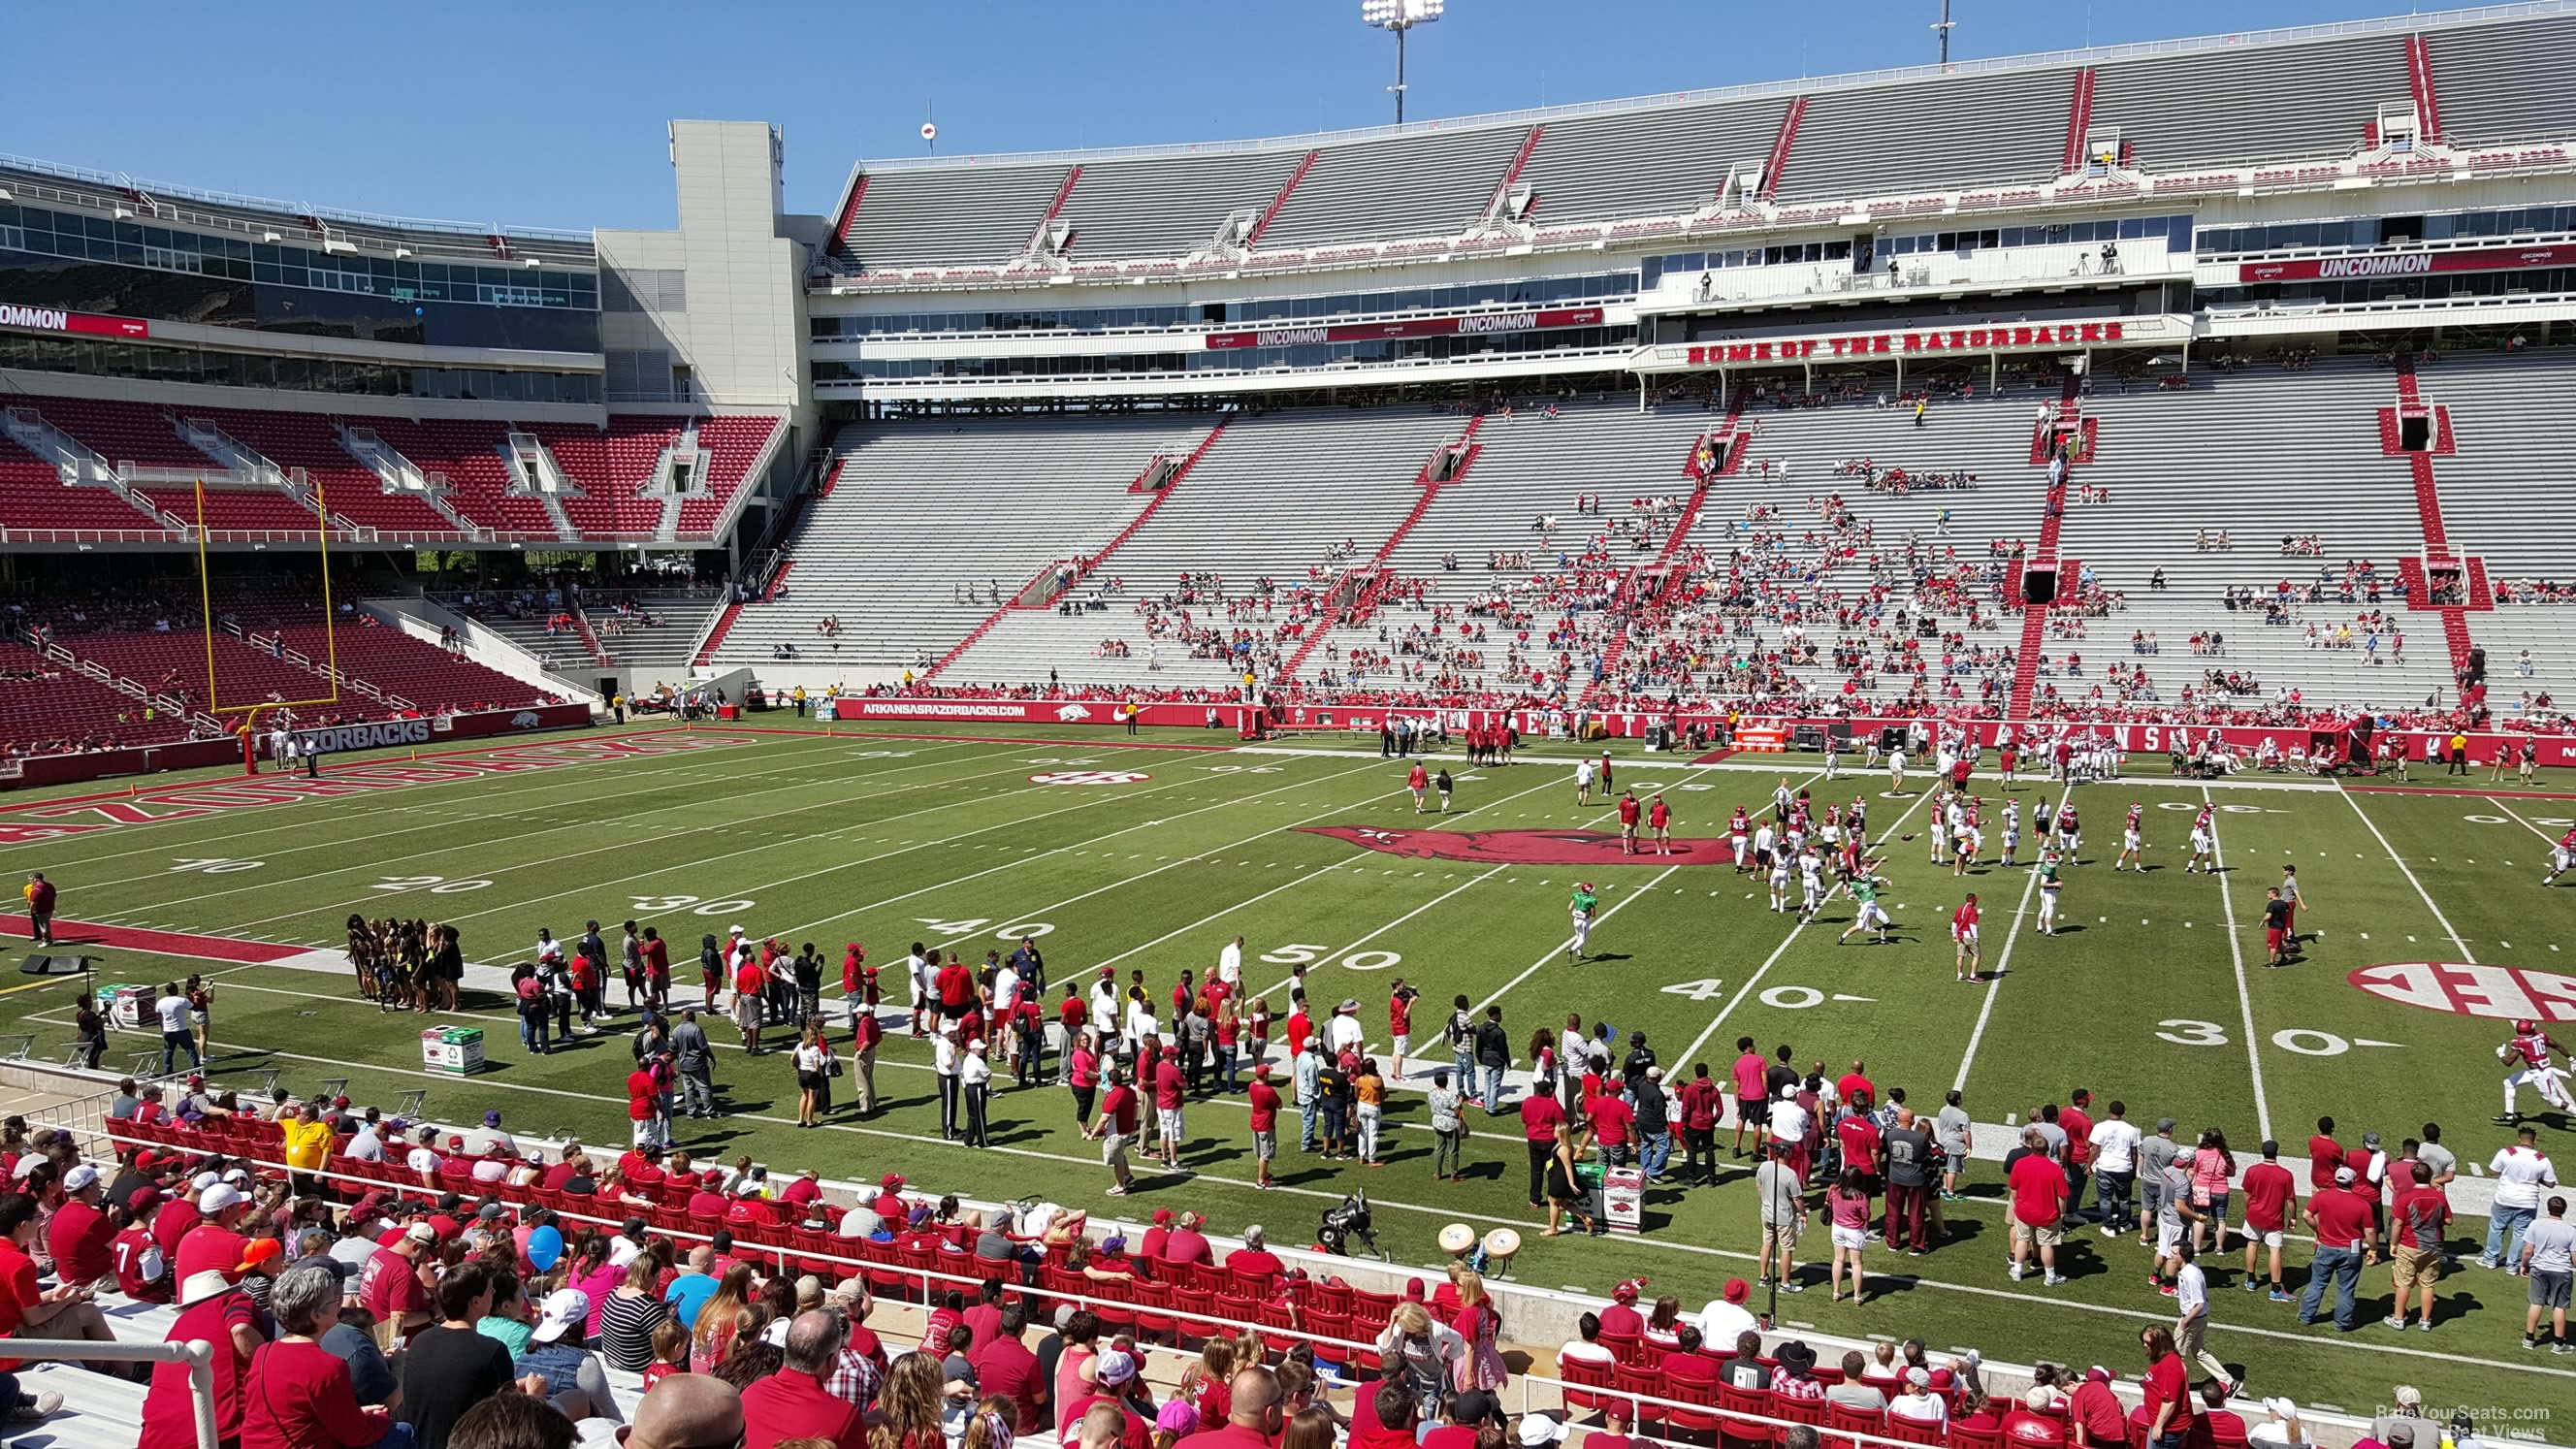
(374, 734)
(1915, 342)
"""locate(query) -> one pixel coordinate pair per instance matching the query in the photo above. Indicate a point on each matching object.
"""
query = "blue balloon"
(545, 1245)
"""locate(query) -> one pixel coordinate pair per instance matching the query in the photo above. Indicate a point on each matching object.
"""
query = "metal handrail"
(196, 1353)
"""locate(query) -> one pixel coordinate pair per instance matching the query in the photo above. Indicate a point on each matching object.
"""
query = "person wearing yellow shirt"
(308, 1147)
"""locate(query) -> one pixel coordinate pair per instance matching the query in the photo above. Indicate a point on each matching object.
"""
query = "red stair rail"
(849, 214)
(2034, 618)
(2419, 78)
(716, 635)
(2079, 119)
(1779, 161)
(1469, 448)
(1667, 580)
(1271, 211)
(1503, 188)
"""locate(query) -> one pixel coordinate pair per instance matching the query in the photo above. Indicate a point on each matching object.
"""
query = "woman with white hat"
(211, 1309)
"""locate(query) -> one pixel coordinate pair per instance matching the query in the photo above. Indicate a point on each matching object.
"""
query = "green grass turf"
(918, 834)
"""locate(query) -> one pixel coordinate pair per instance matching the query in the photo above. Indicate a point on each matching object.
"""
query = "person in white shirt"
(2521, 1172)
(421, 1160)
(1724, 1318)
(1583, 782)
(975, 1078)
(2115, 1170)
(493, 1166)
(1917, 1401)
(1006, 990)
(917, 967)
(1104, 1008)
(1788, 1120)
(1344, 1032)
(176, 1031)
(1229, 962)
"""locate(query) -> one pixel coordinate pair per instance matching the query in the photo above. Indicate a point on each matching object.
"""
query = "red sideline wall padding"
(2148, 738)
(197, 754)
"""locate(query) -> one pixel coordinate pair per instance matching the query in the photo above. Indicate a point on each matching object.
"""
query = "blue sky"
(551, 114)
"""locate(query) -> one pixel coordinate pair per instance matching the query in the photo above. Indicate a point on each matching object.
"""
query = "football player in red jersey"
(1739, 830)
(2526, 1059)
(2130, 846)
(1963, 929)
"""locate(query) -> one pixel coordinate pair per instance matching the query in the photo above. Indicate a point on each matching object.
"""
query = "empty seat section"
(2497, 84)
(1935, 135)
(350, 489)
(734, 446)
(1427, 184)
(2270, 103)
(1169, 206)
(923, 509)
(123, 432)
(33, 495)
(398, 664)
(478, 479)
(609, 466)
(253, 509)
(1662, 162)
(950, 216)
(61, 706)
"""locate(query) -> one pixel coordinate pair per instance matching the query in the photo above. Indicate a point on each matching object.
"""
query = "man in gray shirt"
(1957, 1139)
(1851, 1393)
(1909, 1178)
(2443, 1164)
(1784, 1212)
(693, 1060)
(2155, 1154)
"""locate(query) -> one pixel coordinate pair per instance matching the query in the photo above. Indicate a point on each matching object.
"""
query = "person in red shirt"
(792, 1402)
(216, 1242)
(1253, 1267)
(2167, 1389)
(1419, 782)
(2270, 1194)
(1265, 1122)
(212, 1310)
(2343, 1223)
(2095, 1414)
(2324, 1155)
(750, 983)
(657, 969)
(1856, 1083)
(390, 1285)
(2415, 1223)
(1614, 1128)
(1752, 1089)
(955, 987)
(80, 1233)
(1399, 1023)
(1963, 930)
(1629, 814)
(1301, 1028)
(705, 1201)
(1858, 1135)
(1541, 1116)
(2039, 1192)
(1006, 1369)
(1659, 818)
(142, 1269)
(1115, 1130)
(1170, 1090)
(1700, 1109)
(643, 1103)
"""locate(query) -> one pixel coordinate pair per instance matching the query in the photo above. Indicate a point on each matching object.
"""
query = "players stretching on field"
(2204, 843)
(2131, 850)
(1864, 894)
(1963, 929)
(2051, 881)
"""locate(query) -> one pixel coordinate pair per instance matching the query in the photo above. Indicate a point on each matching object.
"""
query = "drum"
(1456, 1239)
(1501, 1246)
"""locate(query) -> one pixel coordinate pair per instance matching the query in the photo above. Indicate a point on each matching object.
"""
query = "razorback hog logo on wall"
(1523, 847)
(2506, 993)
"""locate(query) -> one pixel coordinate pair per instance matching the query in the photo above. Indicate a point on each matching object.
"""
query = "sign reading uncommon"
(332, 739)
(55, 319)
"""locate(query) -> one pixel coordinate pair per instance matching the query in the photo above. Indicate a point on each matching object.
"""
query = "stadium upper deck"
(2471, 93)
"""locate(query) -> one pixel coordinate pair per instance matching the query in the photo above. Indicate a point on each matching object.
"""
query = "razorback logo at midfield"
(1524, 847)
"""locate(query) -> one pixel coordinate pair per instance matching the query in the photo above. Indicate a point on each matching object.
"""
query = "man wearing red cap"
(142, 1269)
(2095, 1414)
(1621, 1319)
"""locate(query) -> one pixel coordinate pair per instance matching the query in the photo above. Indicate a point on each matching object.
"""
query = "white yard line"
(1995, 986)
(2244, 996)
(2400, 862)
(2525, 824)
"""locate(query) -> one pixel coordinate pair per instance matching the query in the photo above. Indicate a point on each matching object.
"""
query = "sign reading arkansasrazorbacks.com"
(375, 734)
(2506, 993)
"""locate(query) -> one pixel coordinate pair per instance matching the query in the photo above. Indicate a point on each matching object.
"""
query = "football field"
(2427, 930)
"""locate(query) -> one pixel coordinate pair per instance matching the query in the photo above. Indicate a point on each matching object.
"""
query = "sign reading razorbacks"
(374, 734)
(1526, 847)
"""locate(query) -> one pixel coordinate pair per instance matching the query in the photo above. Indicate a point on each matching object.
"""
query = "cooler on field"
(1623, 1199)
(126, 1004)
(456, 1050)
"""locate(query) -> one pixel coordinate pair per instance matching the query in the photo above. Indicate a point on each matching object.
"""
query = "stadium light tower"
(1399, 16)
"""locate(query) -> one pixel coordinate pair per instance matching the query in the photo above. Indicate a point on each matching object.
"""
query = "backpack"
(1457, 1031)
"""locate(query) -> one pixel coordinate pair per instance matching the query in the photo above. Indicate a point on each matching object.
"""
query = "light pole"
(1400, 16)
